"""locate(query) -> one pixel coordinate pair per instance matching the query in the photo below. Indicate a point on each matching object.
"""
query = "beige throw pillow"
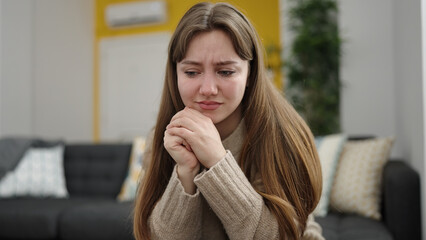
(357, 185)
(135, 171)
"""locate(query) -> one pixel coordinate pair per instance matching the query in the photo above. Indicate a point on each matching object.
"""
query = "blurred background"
(79, 70)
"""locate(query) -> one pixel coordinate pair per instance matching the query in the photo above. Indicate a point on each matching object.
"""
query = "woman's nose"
(208, 85)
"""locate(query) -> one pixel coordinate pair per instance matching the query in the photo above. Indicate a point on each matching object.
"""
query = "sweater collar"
(234, 142)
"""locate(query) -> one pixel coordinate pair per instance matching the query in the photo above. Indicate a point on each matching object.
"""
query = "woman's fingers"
(187, 146)
(171, 141)
(179, 150)
(191, 116)
(200, 134)
(183, 122)
(191, 120)
(180, 132)
(187, 164)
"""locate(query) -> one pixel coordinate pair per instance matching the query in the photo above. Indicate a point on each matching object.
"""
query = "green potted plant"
(313, 84)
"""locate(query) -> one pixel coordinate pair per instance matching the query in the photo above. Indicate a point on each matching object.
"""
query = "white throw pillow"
(329, 150)
(40, 173)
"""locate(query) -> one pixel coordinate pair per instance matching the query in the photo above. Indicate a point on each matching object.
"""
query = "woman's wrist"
(221, 155)
(186, 177)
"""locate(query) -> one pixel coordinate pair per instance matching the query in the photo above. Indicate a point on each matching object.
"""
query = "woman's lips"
(209, 105)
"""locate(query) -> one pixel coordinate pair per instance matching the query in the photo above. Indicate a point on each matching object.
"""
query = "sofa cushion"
(329, 149)
(358, 181)
(339, 226)
(33, 218)
(96, 170)
(135, 172)
(106, 220)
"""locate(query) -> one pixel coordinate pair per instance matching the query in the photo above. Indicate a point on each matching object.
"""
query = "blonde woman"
(229, 157)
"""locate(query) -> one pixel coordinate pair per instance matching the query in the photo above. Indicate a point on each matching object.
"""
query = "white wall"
(423, 10)
(367, 75)
(16, 94)
(63, 63)
(0, 66)
(408, 80)
(47, 68)
(410, 121)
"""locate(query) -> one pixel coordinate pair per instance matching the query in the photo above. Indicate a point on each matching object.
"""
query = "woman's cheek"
(187, 93)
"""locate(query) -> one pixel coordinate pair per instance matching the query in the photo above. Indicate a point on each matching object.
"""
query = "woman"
(230, 158)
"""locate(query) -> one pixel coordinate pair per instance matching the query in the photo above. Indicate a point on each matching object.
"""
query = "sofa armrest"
(401, 201)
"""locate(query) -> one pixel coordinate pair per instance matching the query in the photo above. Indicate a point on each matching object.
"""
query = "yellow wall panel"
(264, 15)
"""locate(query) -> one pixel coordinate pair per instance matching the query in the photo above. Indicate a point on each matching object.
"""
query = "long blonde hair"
(278, 146)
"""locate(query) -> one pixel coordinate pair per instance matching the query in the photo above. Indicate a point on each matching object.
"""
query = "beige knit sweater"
(225, 205)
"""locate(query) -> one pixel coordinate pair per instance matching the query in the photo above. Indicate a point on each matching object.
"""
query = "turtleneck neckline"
(234, 141)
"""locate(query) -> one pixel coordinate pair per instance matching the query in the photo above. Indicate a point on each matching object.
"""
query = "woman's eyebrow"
(190, 62)
(230, 62)
(221, 63)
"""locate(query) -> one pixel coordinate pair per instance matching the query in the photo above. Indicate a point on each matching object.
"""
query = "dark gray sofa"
(400, 210)
(95, 173)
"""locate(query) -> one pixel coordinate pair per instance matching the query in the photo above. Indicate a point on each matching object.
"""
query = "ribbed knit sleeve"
(239, 207)
(177, 214)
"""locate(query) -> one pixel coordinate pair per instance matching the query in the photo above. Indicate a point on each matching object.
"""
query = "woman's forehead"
(215, 46)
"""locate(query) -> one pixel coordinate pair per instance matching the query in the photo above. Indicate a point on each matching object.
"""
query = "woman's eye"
(191, 73)
(226, 73)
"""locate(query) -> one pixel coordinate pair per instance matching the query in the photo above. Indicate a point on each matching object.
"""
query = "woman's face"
(212, 78)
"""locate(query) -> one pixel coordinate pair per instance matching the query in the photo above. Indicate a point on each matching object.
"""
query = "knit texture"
(225, 205)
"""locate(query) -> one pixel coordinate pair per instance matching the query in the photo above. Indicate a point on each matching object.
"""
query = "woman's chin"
(212, 117)
(209, 115)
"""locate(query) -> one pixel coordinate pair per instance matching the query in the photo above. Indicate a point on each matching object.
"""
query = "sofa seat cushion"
(33, 218)
(338, 226)
(106, 220)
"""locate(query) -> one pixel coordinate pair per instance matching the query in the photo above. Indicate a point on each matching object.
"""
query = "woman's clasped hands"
(192, 140)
